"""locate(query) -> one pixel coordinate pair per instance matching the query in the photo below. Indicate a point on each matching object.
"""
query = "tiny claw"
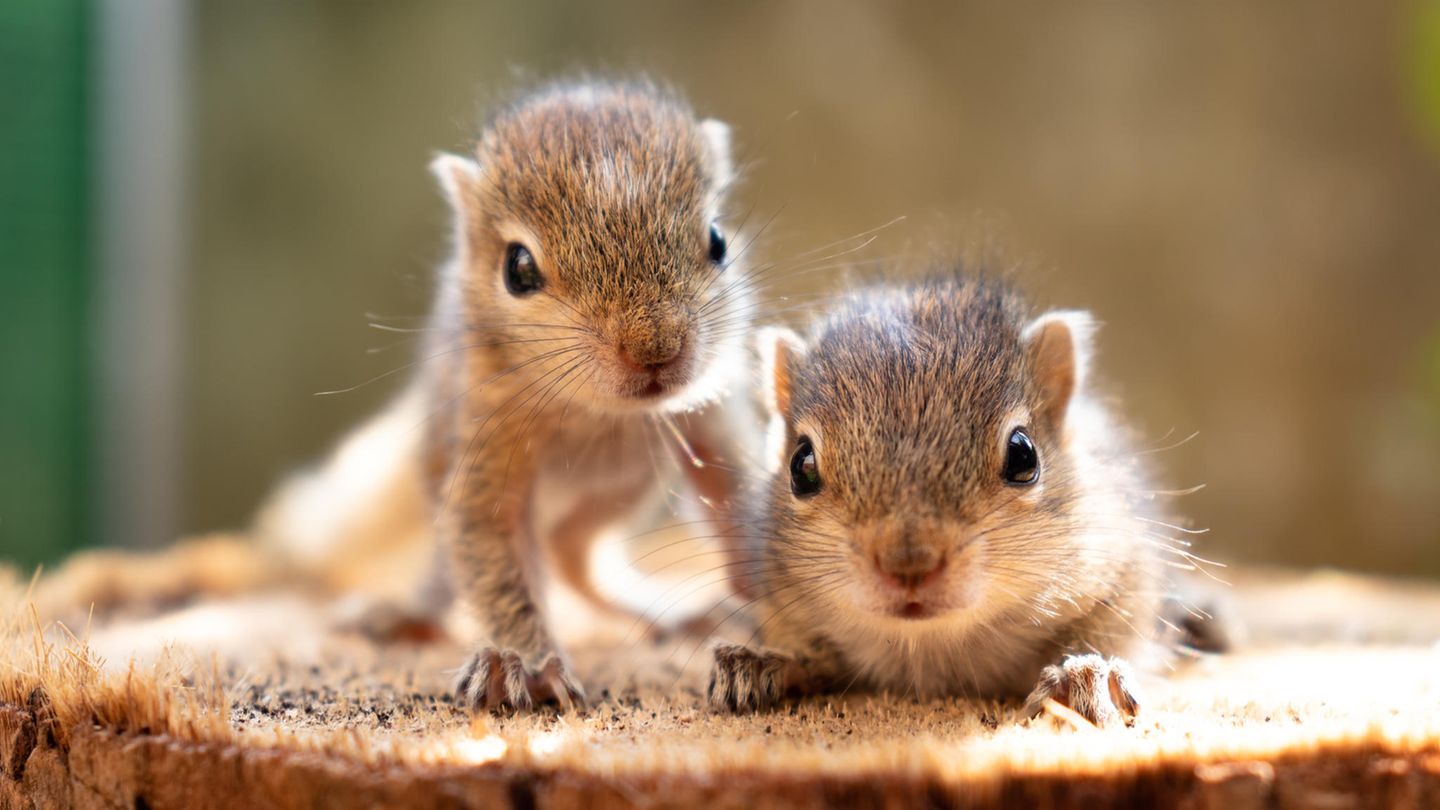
(517, 689)
(553, 682)
(742, 680)
(495, 679)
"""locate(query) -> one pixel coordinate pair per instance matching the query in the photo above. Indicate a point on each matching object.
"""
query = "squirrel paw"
(497, 679)
(1099, 689)
(743, 680)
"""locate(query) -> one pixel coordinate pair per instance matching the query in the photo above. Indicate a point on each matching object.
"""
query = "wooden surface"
(255, 700)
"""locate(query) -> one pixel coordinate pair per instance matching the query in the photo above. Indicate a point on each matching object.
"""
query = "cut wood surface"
(261, 699)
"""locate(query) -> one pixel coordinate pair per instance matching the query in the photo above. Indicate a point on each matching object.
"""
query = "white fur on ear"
(458, 177)
(456, 174)
(717, 135)
(779, 349)
(1059, 345)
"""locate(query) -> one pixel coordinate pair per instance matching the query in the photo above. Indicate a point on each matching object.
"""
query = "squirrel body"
(588, 323)
(592, 293)
(950, 510)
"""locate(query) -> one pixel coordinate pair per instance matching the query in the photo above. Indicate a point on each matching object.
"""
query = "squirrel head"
(590, 243)
(921, 443)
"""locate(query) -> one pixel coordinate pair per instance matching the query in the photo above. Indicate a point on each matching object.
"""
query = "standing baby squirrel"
(951, 511)
(591, 293)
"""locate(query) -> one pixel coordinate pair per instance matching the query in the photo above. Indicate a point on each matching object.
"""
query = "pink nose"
(910, 568)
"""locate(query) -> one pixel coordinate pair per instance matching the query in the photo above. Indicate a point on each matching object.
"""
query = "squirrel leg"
(745, 679)
(1094, 674)
(519, 668)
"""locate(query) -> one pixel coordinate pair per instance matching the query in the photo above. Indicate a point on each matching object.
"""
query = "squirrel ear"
(717, 137)
(458, 176)
(1058, 347)
(779, 349)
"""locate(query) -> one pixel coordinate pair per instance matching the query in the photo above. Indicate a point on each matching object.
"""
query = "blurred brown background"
(1247, 195)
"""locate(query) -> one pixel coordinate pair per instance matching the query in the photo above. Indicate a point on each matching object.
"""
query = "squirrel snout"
(649, 355)
(909, 567)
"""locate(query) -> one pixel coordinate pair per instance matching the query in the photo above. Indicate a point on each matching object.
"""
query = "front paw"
(1099, 689)
(743, 680)
(496, 679)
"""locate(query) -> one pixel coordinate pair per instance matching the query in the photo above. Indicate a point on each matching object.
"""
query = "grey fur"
(907, 394)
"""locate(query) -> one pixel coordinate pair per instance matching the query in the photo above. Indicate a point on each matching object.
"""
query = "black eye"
(717, 244)
(1022, 460)
(804, 470)
(522, 274)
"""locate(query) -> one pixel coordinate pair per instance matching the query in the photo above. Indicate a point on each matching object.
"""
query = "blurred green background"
(200, 202)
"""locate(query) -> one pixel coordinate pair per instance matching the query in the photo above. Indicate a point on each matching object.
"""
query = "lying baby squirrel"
(591, 310)
(953, 513)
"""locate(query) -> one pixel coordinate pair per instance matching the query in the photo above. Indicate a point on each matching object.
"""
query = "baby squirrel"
(951, 512)
(591, 293)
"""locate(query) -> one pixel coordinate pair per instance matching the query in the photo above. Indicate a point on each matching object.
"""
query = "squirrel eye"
(522, 274)
(717, 244)
(1022, 460)
(804, 470)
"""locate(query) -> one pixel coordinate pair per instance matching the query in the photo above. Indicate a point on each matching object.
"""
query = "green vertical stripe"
(45, 275)
(1423, 30)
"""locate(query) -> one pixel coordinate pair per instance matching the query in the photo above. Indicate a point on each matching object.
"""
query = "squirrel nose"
(908, 566)
(649, 356)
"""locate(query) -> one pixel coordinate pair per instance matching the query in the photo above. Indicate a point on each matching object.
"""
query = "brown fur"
(544, 430)
(916, 567)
